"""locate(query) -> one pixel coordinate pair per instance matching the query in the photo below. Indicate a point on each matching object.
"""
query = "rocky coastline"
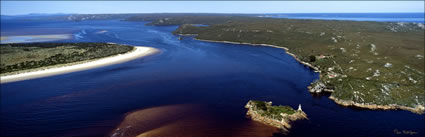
(419, 109)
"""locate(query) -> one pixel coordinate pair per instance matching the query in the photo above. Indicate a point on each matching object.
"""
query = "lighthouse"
(299, 107)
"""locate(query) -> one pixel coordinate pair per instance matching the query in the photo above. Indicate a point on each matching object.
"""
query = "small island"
(276, 116)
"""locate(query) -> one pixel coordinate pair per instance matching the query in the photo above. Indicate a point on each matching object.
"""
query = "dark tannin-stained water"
(217, 78)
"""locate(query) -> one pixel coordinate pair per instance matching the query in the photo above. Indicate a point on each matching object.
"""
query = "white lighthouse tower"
(299, 107)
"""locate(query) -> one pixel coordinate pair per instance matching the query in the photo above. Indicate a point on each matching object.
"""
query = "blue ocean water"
(220, 77)
(380, 17)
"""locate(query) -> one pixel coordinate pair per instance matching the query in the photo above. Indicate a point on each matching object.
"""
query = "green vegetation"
(378, 63)
(18, 57)
(267, 110)
(182, 19)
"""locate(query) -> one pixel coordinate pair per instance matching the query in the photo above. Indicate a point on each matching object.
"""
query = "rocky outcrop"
(280, 117)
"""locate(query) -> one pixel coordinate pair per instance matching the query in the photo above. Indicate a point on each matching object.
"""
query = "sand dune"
(78, 66)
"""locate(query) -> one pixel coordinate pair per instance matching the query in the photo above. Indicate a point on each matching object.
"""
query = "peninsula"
(35, 60)
(276, 116)
(375, 65)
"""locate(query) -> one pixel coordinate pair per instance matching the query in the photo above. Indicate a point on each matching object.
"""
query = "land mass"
(276, 116)
(375, 65)
(34, 60)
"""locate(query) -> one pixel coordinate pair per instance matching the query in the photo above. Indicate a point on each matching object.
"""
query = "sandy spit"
(83, 65)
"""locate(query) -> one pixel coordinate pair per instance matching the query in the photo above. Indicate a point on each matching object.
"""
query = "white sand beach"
(84, 65)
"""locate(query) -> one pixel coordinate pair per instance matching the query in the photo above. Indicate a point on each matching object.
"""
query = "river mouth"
(208, 85)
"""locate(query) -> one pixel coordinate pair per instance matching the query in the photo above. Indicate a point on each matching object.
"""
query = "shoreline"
(268, 45)
(417, 110)
(137, 52)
